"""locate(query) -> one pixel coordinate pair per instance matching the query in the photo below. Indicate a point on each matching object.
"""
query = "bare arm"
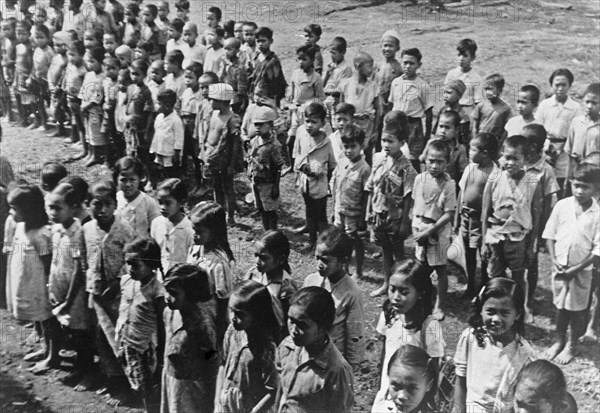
(265, 402)
(428, 122)
(460, 395)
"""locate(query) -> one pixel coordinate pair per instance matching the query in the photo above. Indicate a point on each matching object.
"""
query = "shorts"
(470, 228)
(435, 251)
(93, 129)
(350, 224)
(507, 254)
(139, 367)
(296, 119)
(390, 230)
(262, 197)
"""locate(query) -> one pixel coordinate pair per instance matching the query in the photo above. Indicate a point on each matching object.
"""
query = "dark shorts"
(507, 254)
(470, 228)
(389, 230)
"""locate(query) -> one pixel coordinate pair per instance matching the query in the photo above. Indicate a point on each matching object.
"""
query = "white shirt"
(140, 212)
(168, 134)
(472, 80)
(515, 125)
(197, 53)
(175, 240)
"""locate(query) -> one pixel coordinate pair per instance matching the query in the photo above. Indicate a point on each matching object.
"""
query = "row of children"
(140, 298)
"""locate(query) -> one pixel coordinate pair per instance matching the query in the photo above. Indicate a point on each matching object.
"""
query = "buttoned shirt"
(360, 95)
(211, 61)
(411, 96)
(264, 159)
(544, 174)
(433, 196)
(348, 185)
(306, 88)
(168, 135)
(333, 76)
(138, 212)
(233, 72)
(583, 139)
(318, 155)
(472, 80)
(190, 102)
(385, 73)
(195, 53)
(175, 241)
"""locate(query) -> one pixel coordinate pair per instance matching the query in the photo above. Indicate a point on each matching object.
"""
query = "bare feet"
(565, 356)
(553, 351)
(43, 366)
(438, 314)
(35, 355)
(380, 291)
(528, 318)
(590, 337)
(86, 383)
(118, 399)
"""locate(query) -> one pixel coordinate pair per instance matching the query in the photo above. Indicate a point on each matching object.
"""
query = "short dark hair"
(145, 45)
(318, 305)
(216, 11)
(535, 133)
(77, 47)
(453, 115)
(68, 193)
(190, 278)
(182, 5)
(111, 33)
(533, 91)
(174, 186)
(264, 32)
(175, 56)
(489, 143)
(314, 29)
(229, 27)
(336, 243)
(440, 146)
(414, 52)
(251, 24)
(588, 173)
(315, 109)
(307, 49)
(133, 8)
(517, 141)
(80, 187)
(104, 188)
(593, 89)
(339, 44)
(167, 96)
(196, 68)
(467, 45)
(496, 79)
(147, 249)
(356, 136)
(52, 173)
(152, 9)
(345, 108)
(562, 72)
(129, 162)
(212, 75)
(177, 24)
(43, 29)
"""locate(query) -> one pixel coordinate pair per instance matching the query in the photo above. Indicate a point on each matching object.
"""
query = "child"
(92, 98)
(205, 112)
(125, 56)
(343, 120)
(314, 374)
(182, 9)
(142, 51)
(361, 91)
(238, 31)
(388, 69)
(541, 387)
(231, 70)
(512, 207)
(110, 86)
(214, 51)
(333, 252)
(222, 147)
(583, 142)
(175, 39)
(213, 20)
(139, 329)
(349, 198)
(494, 340)
(409, 93)
(337, 70)
(267, 79)
(248, 379)
(92, 39)
(191, 350)
(42, 57)
(248, 49)
(406, 322)
(306, 86)
(52, 173)
(467, 50)
(491, 114)
(191, 100)
(123, 82)
(80, 198)
(98, 19)
(172, 230)
(572, 239)
(24, 92)
(9, 42)
(73, 18)
(71, 84)
(483, 152)
(131, 24)
(452, 93)
(434, 206)
(527, 101)
(163, 23)
(314, 162)
(167, 144)
(150, 31)
(133, 205)
(556, 115)
(137, 112)
(117, 10)
(193, 51)
(448, 130)
(110, 42)
(27, 273)
(312, 34)
(273, 271)
(56, 72)
(390, 186)
(175, 79)
(264, 166)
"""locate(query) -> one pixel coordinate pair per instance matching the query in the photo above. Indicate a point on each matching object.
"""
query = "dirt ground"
(523, 43)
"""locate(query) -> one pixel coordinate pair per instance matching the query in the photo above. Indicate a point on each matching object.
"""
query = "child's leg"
(218, 187)
(471, 260)
(442, 288)
(591, 332)
(272, 218)
(392, 247)
(230, 195)
(311, 219)
(359, 251)
(51, 331)
(532, 277)
(563, 318)
(21, 111)
(577, 324)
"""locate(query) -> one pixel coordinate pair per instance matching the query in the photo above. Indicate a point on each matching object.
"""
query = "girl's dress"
(26, 276)
(491, 371)
(191, 362)
(392, 326)
(249, 373)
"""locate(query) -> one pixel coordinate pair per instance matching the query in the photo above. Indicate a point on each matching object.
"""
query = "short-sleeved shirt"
(391, 180)
(190, 102)
(361, 96)
(433, 197)
(385, 73)
(168, 135)
(234, 74)
(92, 90)
(155, 89)
(111, 89)
(220, 148)
(348, 186)
(491, 117)
(494, 385)
(196, 53)
(544, 174)
(319, 156)
(472, 80)
(264, 159)
(348, 331)
(583, 139)
(138, 212)
(175, 241)
(73, 79)
(333, 76)
(212, 59)
(42, 58)
(177, 85)
(217, 265)
(515, 125)
(306, 88)
(411, 96)
(151, 34)
(138, 319)
(321, 383)
(139, 101)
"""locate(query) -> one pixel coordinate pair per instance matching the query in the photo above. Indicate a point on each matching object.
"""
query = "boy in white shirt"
(167, 143)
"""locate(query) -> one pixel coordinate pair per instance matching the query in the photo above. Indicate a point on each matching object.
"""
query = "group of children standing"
(151, 290)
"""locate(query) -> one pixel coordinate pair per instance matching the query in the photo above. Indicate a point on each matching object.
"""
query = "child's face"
(528, 401)
(365, 69)
(582, 191)
(22, 35)
(8, 31)
(303, 330)
(74, 58)
(170, 67)
(264, 44)
(130, 17)
(124, 60)
(102, 208)
(410, 65)
(464, 60)
(525, 106)
(138, 268)
(211, 20)
(476, 155)
(89, 40)
(58, 210)
(561, 87)
(241, 319)
(352, 151)
(181, 14)
(109, 43)
(389, 48)
(499, 316)
(39, 16)
(390, 145)
(169, 207)
(436, 162)
(265, 261)
(122, 81)
(156, 72)
(129, 182)
(175, 298)
(190, 79)
(310, 38)
(514, 160)
(343, 121)
(491, 92)
(591, 103)
(249, 36)
(238, 31)
(173, 33)
(163, 10)
(263, 129)
(59, 47)
(446, 129)
(40, 39)
(327, 265)
(230, 50)
(189, 36)
(165, 108)
(100, 4)
(408, 387)
(136, 75)
(111, 71)
(139, 53)
(402, 294)
(204, 82)
(202, 234)
(147, 15)
(451, 96)
(304, 62)
(313, 124)
(336, 55)
(92, 64)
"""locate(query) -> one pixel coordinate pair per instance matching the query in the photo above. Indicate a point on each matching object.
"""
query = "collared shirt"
(195, 53)
(348, 331)
(234, 74)
(93, 20)
(391, 180)
(163, 30)
(155, 89)
(385, 73)
(515, 125)
(544, 174)
(92, 90)
(433, 196)
(322, 383)
(264, 159)
(583, 139)
(267, 78)
(190, 102)
(151, 34)
(56, 71)
(472, 80)
(318, 155)
(176, 84)
(410, 96)
(348, 185)
(217, 265)
(362, 96)
(139, 212)
(221, 146)
(247, 55)
(168, 135)
(41, 62)
(173, 44)
(305, 88)
(73, 79)
(333, 76)
(491, 117)
(211, 61)
(174, 240)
